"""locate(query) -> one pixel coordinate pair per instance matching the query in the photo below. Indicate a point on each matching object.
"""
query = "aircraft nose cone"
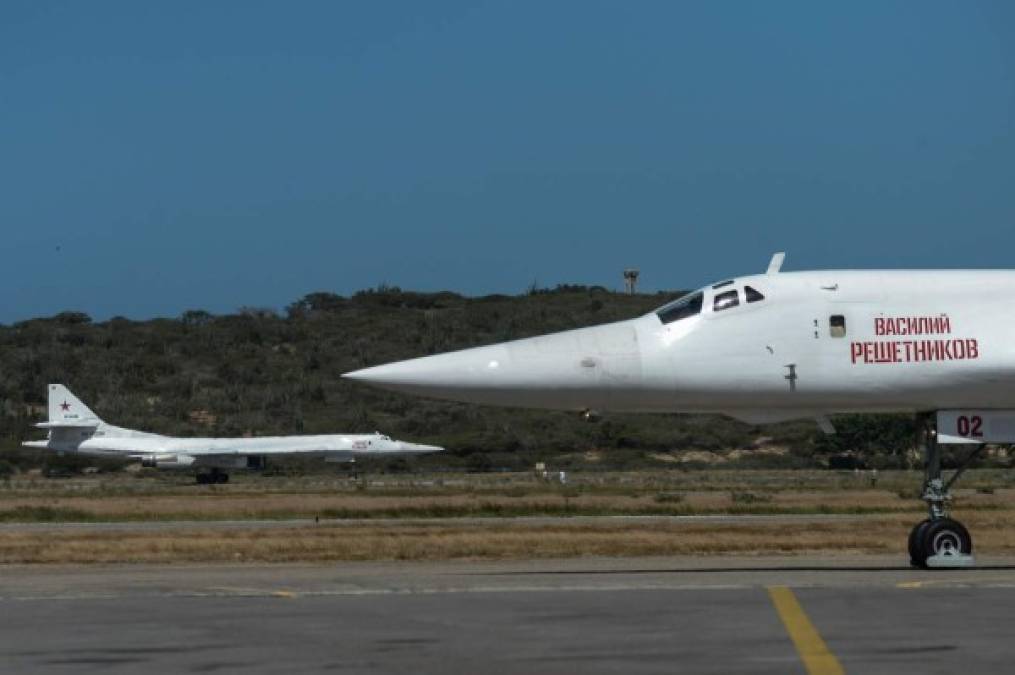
(572, 370)
(432, 374)
(420, 449)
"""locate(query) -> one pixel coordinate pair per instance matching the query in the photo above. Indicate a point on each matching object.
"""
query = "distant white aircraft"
(772, 347)
(73, 428)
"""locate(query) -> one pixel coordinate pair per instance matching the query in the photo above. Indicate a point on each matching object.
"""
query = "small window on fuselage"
(837, 325)
(725, 300)
(689, 305)
(752, 295)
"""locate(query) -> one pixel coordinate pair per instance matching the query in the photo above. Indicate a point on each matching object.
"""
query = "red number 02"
(970, 426)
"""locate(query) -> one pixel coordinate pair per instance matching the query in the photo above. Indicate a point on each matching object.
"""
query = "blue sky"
(158, 157)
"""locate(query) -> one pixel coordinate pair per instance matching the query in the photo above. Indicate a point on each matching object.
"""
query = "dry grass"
(281, 506)
(507, 484)
(890, 511)
(995, 533)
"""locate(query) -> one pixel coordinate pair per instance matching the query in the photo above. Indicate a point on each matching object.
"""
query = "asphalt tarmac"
(820, 615)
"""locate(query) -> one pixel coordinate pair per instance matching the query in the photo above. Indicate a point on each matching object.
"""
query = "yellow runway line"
(812, 649)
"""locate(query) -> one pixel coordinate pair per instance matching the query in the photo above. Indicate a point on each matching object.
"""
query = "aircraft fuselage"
(760, 348)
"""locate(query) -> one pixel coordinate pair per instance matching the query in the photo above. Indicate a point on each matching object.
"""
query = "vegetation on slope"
(262, 372)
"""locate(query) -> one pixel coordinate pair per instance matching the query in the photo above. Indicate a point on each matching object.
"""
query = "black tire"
(222, 478)
(942, 536)
(917, 558)
(202, 479)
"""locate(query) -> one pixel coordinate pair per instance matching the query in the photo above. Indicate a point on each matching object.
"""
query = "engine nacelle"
(167, 461)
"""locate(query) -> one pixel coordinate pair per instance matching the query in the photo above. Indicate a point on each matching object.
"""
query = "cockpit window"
(752, 295)
(689, 305)
(725, 300)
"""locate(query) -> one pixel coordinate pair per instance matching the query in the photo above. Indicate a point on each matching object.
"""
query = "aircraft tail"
(66, 409)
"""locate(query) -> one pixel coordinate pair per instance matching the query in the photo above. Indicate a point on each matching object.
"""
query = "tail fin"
(66, 408)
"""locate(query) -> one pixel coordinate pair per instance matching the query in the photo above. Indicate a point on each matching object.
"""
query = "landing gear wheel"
(944, 538)
(916, 556)
(939, 541)
(222, 478)
(203, 478)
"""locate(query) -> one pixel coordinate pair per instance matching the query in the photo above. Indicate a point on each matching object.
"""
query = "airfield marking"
(958, 582)
(813, 651)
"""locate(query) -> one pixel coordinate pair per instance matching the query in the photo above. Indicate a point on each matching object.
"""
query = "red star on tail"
(65, 406)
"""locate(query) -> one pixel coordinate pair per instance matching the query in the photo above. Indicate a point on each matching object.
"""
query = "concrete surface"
(640, 615)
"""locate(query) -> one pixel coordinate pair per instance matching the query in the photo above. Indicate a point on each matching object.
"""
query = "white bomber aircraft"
(73, 428)
(773, 347)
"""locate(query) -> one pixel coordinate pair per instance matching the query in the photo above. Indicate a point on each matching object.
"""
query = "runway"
(641, 615)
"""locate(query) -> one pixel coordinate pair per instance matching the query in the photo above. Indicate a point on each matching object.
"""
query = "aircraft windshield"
(725, 300)
(689, 305)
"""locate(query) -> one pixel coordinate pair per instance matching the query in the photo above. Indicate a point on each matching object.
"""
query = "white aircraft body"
(74, 428)
(772, 347)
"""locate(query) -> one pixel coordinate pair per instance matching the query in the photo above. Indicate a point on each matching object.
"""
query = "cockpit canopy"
(681, 308)
(722, 299)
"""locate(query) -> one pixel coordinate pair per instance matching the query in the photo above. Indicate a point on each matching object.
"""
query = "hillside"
(260, 372)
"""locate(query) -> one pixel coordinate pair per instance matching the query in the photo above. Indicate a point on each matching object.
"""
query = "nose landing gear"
(939, 541)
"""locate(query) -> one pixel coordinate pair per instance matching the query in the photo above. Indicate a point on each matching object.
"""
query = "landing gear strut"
(212, 476)
(939, 541)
